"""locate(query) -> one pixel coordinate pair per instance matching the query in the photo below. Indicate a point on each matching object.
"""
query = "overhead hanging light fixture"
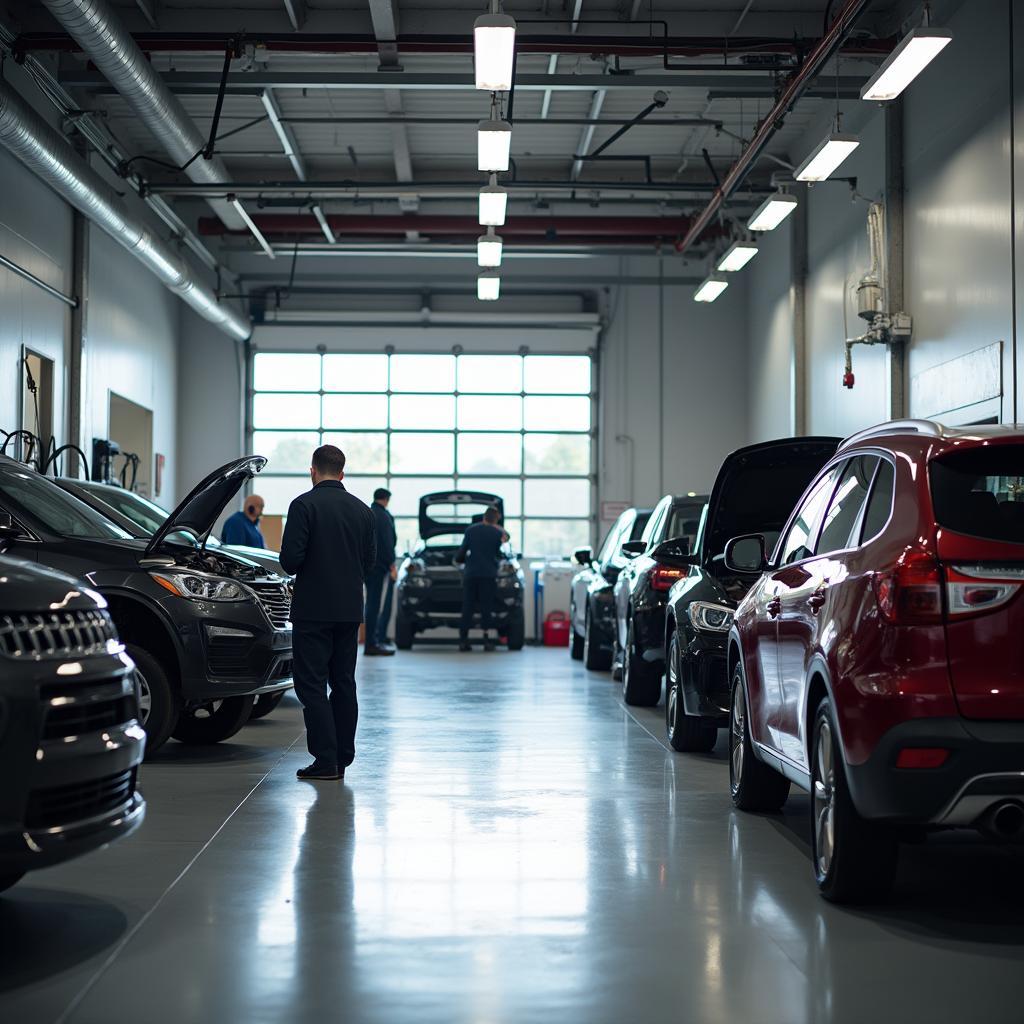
(772, 212)
(494, 42)
(917, 50)
(737, 256)
(493, 204)
(826, 157)
(251, 225)
(712, 287)
(493, 145)
(488, 286)
(488, 249)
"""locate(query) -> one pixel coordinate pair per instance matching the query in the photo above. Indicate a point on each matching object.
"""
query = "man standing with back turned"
(381, 576)
(329, 547)
(481, 552)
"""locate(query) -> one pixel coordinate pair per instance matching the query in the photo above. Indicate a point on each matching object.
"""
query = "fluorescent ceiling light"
(494, 42)
(493, 204)
(917, 50)
(488, 286)
(251, 225)
(737, 256)
(488, 250)
(772, 212)
(711, 289)
(493, 144)
(826, 157)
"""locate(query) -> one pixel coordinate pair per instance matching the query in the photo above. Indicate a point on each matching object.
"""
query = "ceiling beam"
(384, 15)
(587, 135)
(150, 9)
(545, 103)
(577, 10)
(296, 11)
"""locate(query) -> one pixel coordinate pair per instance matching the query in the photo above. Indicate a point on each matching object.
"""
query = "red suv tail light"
(922, 757)
(980, 588)
(663, 576)
(910, 594)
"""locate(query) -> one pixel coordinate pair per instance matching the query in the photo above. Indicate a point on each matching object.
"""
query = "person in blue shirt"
(243, 527)
(481, 554)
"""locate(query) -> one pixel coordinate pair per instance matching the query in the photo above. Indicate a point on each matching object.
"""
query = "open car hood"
(430, 527)
(205, 502)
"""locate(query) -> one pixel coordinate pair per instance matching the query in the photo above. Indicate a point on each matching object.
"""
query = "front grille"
(60, 806)
(56, 634)
(228, 657)
(276, 600)
(77, 719)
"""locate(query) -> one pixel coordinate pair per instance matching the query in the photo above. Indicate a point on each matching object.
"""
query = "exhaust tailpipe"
(1004, 821)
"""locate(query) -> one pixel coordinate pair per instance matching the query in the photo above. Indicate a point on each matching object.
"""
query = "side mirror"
(675, 551)
(632, 548)
(583, 556)
(746, 553)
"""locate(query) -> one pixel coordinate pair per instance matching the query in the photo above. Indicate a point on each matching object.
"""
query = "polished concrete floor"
(512, 845)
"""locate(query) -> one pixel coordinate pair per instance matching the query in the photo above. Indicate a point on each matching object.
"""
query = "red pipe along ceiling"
(618, 229)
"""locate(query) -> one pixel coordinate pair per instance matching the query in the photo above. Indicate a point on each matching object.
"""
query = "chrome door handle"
(774, 607)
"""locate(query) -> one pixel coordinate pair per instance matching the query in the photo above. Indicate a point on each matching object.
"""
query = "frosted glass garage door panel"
(490, 412)
(514, 529)
(363, 486)
(544, 413)
(557, 375)
(510, 491)
(408, 530)
(490, 453)
(422, 412)
(555, 538)
(364, 453)
(557, 454)
(355, 373)
(502, 374)
(407, 491)
(279, 491)
(285, 451)
(366, 412)
(286, 371)
(557, 497)
(423, 373)
(422, 453)
(286, 411)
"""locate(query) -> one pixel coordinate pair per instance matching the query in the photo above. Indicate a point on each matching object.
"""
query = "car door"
(634, 565)
(794, 602)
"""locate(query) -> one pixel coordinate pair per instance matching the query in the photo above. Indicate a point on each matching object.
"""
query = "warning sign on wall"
(611, 510)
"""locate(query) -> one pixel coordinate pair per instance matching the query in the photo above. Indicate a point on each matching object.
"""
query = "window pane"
(557, 453)
(563, 375)
(845, 506)
(364, 453)
(554, 537)
(801, 534)
(491, 373)
(364, 411)
(557, 497)
(508, 490)
(355, 373)
(422, 453)
(278, 492)
(286, 411)
(286, 371)
(422, 412)
(490, 453)
(557, 413)
(423, 373)
(363, 486)
(514, 529)
(407, 491)
(285, 453)
(880, 503)
(408, 531)
(489, 412)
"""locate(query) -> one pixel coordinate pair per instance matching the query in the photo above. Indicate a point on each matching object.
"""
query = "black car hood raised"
(205, 502)
(436, 527)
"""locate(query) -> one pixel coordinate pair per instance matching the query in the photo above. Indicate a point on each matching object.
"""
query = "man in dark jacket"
(481, 553)
(380, 576)
(329, 547)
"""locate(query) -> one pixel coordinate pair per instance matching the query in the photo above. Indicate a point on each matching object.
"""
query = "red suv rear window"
(980, 491)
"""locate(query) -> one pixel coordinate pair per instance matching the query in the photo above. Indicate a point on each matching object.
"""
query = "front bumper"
(436, 607)
(985, 767)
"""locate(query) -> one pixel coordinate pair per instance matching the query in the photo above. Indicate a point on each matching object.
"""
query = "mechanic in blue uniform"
(243, 528)
(481, 553)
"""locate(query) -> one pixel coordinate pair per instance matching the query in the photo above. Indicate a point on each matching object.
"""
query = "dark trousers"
(378, 581)
(324, 657)
(478, 592)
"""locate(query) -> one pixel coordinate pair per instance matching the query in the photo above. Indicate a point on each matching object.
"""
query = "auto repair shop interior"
(714, 307)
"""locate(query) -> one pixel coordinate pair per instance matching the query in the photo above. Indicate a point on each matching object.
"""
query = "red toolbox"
(556, 629)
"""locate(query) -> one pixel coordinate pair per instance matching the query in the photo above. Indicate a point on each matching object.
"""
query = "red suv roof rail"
(926, 428)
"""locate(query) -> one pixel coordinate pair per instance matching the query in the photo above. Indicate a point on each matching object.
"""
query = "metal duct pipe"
(98, 30)
(46, 153)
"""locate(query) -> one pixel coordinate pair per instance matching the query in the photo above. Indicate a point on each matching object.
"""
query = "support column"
(894, 297)
(79, 335)
(798, 312)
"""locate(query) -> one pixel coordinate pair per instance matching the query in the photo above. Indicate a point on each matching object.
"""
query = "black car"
(70, 739)
(591, 602)
(429, 586)
(641, 590)
(755, 491)
(207, 630)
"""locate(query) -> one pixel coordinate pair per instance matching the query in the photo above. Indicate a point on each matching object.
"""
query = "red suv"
(875, 662)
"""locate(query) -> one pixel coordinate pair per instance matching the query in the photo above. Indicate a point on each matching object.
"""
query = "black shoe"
(465, 646)
(321, 773)
(488, 644)
(378, 652)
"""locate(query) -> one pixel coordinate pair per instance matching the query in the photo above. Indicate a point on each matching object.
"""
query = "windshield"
(145, 514)
(684, 520)
(53, 508)
(980, 492)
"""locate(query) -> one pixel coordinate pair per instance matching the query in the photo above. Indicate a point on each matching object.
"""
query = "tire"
(265, 703)
(686, 733)
(159, 702)
(854, 860)
(641, 684)
(594, 658)
(10, 879)
(516, 631)
(575, 640)
(214, 721)
(753, 785)
(403, 632)
(616, 657)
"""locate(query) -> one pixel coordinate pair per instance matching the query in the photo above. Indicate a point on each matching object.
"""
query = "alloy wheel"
(145, 697)
(824, 800)
(737, 730)
(672, 697)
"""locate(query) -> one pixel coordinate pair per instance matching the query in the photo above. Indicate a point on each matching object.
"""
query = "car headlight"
(710, 618)
(200, 588)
